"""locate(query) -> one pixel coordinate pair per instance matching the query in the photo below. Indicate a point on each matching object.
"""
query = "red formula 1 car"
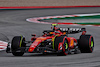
(55, 40)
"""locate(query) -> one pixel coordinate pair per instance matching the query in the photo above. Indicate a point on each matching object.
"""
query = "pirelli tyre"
(86, 43)
(18, 45)
(61, 45)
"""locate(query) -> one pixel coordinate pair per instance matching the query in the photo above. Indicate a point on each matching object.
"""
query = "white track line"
(3, 45)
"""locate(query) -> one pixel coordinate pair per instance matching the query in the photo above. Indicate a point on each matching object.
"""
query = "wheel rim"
(66, 47)
(91, 44)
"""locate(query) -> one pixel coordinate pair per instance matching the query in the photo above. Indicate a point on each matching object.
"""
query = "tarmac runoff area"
(59, 19)
(12, 23)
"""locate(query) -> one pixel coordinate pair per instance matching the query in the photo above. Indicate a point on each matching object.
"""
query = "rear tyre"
(86, 44)
(64, 49)
(18, 45)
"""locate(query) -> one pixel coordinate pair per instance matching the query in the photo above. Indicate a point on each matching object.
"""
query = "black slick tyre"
(63, 40)
(86, 43)
(18, 45)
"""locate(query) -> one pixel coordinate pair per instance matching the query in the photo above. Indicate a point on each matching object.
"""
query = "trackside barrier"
(42, 7)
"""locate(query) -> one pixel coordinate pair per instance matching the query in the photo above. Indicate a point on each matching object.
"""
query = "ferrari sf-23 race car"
(55, 40)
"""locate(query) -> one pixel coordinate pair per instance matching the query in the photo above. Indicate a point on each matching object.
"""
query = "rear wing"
(72, 30)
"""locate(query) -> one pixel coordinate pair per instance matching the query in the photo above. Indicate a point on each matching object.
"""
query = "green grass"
(81, 17)
(87, 23)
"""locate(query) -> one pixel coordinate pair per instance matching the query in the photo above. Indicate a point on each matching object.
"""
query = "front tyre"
(18, 45)
(61, 45)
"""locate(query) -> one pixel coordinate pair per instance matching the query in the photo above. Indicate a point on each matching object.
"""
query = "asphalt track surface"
(13, 23)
